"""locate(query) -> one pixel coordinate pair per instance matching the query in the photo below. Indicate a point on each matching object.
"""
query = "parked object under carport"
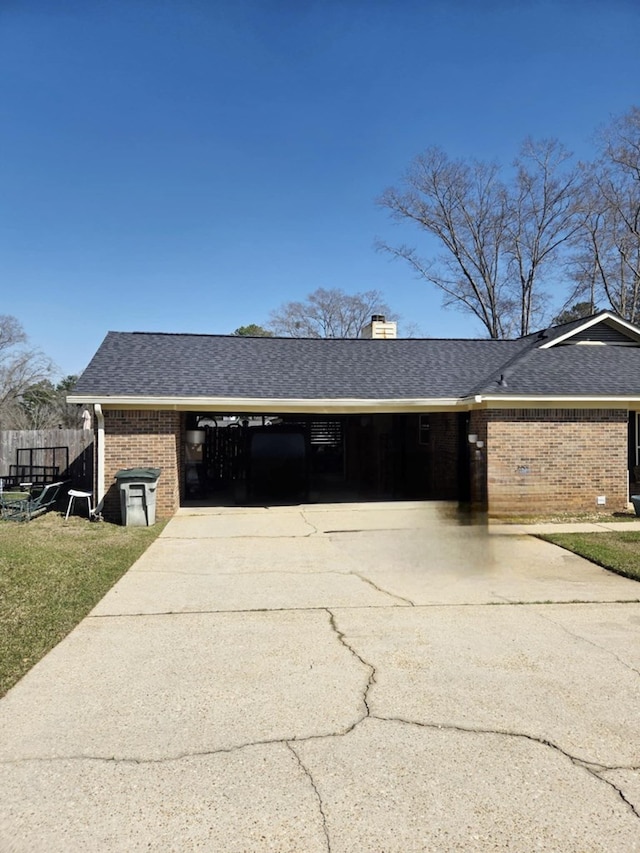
(137, 488)
(278, 464)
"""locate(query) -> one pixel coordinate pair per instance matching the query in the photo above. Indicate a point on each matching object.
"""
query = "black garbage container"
(137, 488)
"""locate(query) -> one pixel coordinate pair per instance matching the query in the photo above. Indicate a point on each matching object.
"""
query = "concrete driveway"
(335, 678)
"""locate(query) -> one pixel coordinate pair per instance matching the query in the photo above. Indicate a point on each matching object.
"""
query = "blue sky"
(187, 166)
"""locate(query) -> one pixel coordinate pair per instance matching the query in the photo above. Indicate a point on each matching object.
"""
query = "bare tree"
(44, 406)
(464, 206)
(35, 407)
(499, 239)
(621, 143)
(543, 207)
(608, 253)
(328, 314)
(21, 367)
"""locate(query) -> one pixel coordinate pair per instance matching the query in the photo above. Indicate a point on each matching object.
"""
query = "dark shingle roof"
(147, 364)
(543, 336)
(573, 370)
(174, 365)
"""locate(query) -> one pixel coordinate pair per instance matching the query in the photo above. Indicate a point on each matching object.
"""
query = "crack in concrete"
(321, 608)
(244, 536)
(384, 591)
(261, 572)
(594, 769)
(181, 756)
(314, 787)
(588, 766)
(372, 670)
(203, 753)
(593, 766)
(588, 641)
(339, 530)
(324, 607)
(612, 785)
(605, 768)
(165, 759)
(314, 529)
(539, 602)
(217, 574)
(304, 574)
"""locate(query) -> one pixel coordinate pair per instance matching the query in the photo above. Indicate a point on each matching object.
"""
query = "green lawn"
(618, 551)
(52, 573)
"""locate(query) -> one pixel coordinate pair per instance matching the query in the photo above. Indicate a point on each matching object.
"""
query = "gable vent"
(601, 333)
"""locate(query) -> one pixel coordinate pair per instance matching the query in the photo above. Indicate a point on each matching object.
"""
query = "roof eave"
(556, 401)
(344, 405)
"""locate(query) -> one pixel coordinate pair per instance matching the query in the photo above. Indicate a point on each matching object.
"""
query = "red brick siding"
(535, 460)
(136, 439)
(555, 460)
(478, 458)
(444, 449)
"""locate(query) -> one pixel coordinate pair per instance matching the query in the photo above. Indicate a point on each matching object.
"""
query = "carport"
(537, 424)
(235, 458)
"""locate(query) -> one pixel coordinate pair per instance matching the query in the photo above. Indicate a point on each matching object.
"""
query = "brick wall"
(135, 439)
(478, 422)
(444, 454)
(534, 460)
(541, 460)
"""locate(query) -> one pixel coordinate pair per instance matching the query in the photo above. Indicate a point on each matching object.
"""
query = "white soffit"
(273, 405)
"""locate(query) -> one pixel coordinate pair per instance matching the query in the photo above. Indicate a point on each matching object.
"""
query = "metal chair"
(27, 507)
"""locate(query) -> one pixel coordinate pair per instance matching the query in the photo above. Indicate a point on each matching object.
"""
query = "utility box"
(137, 488)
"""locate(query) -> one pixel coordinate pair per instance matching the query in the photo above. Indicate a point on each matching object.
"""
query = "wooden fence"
(47, 448)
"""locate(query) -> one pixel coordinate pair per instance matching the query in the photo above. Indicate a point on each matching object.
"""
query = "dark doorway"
(324, 458)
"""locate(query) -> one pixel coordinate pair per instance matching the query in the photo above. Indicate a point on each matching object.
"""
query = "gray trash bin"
(138, 495)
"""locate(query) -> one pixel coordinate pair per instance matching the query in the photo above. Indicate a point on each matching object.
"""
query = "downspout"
(100, 490)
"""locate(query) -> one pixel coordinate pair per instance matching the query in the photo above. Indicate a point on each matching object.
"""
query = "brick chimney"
(380, 328)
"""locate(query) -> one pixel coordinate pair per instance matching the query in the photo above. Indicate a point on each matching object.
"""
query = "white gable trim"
(623, 325)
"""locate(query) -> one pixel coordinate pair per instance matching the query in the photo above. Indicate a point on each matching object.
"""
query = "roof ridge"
(492, 341)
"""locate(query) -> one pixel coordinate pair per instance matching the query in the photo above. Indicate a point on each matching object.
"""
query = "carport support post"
(478, 462)
(100, 490)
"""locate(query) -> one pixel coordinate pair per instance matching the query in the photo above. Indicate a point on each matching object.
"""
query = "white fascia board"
(488, 401)
(605, 315)
(273, 405)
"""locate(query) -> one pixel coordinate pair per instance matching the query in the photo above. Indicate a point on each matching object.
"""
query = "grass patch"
(565, 517)
(52, 573)
(618, 551)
